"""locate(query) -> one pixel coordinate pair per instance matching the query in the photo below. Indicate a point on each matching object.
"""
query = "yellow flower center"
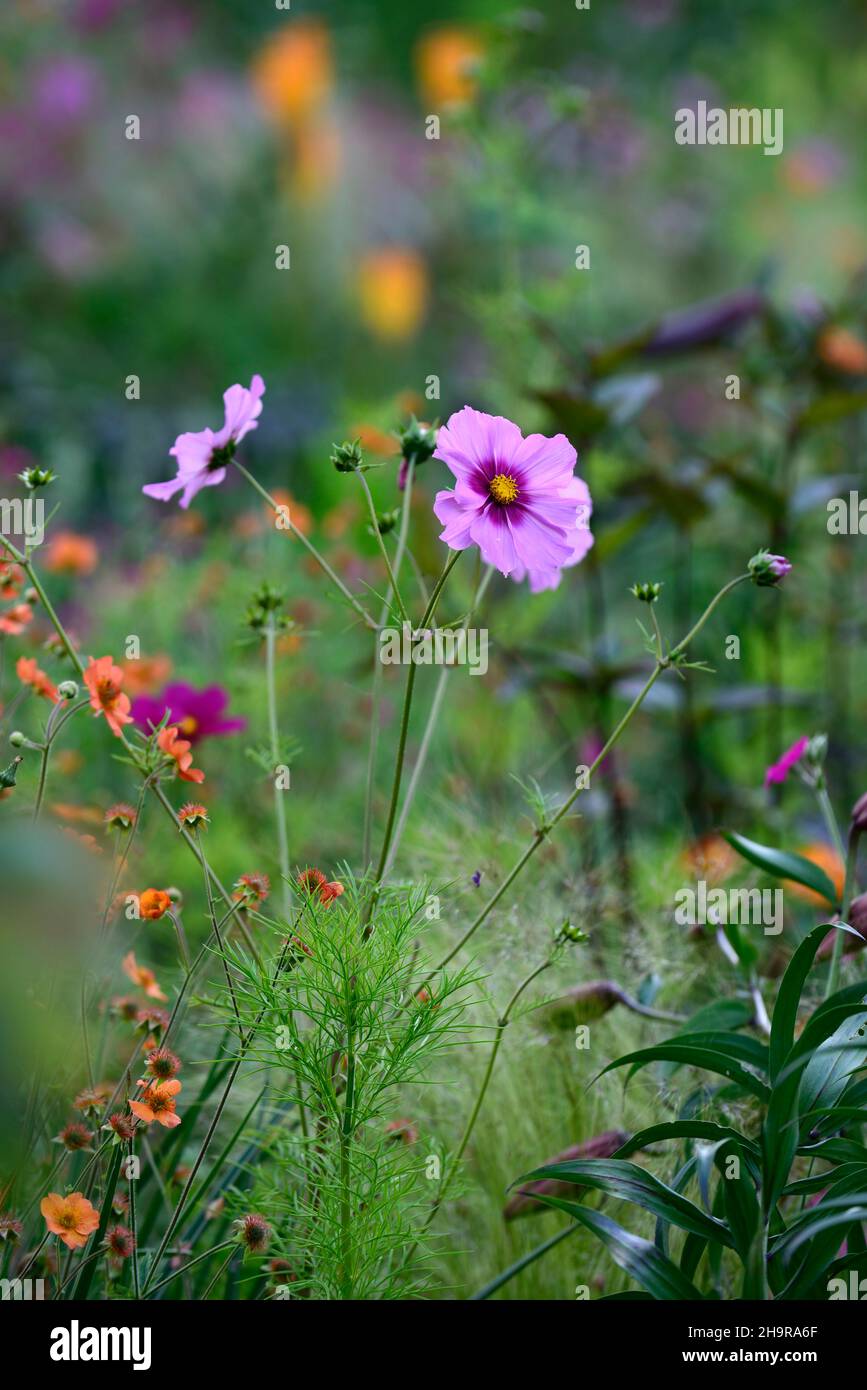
(189, 725)
(503, 488)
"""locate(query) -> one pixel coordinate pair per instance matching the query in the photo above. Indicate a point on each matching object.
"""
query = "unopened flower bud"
(767, 569)
(67, 690)
(17, 739)
(30, 596)
(646, 593)
(175, 896)
(347, 456)
(816, 749)
(417, 443)
(34, 478)
(569, 932)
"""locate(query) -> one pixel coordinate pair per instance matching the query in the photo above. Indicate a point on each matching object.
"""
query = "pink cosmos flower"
(202, 457)
(779, 771)
(517, 499)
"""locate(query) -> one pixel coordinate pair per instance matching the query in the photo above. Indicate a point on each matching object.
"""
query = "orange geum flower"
(153, 904)
(104, 680)
(192, 814)
(142, 976)
(162, 1064)
(29, 673)
(14, 620)
(11, 580)
(158, 1103)
(252, 889)
(179, 750)
(120, 817)
(72, 1218)
(69, 553)
(93, 1098)
(314, 881)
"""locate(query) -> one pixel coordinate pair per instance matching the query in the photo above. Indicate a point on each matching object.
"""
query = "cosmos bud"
(646, 593)
(767, 569)
(347, 456)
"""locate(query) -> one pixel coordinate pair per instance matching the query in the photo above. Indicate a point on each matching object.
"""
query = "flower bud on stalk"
(767, 569)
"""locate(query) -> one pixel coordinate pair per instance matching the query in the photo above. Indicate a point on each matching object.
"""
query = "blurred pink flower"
(202, 456)
(779, 771)
(517, 499)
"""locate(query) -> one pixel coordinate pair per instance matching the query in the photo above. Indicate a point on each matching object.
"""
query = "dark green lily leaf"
(781, 863)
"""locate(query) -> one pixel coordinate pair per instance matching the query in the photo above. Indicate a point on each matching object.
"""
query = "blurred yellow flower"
(445, 64)
(392, 291)
(292, 74)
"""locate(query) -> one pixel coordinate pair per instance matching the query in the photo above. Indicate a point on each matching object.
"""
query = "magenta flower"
(779, 771)
(517, 499)
(202, 457)
(197, 713)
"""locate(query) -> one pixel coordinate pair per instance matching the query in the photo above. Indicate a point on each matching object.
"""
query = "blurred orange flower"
(153, 903)
(292, 74)
(844, 351)
(392, 291)
(69, 553)
(445, 63)
(29, 673)
(88, 815)
(147, 673)
(710, 857)
(300, 516)
(375, 441)
(15, 620)
(72, 1218)
(826, 858)
(141, 976)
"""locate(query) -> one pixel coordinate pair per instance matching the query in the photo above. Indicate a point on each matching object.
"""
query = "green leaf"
(781, 863)
(789, 997)
(639, 1258)
(681, 1129)
(631, 1183)
(684, 1053)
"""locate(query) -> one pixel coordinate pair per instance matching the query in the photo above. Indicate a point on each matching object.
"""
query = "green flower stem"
(848, 890)
(430, 726)
(133, 1225)
(219, 1274)
(501, 1025)
(308, 546)
(56, 720)
(215, 927)
(212, 1128)
(694, 631)
(183, 949)
(544, 831)
(274, 736)
(383, 550)
(376, 693)
(404, 730)
(191, 1264)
